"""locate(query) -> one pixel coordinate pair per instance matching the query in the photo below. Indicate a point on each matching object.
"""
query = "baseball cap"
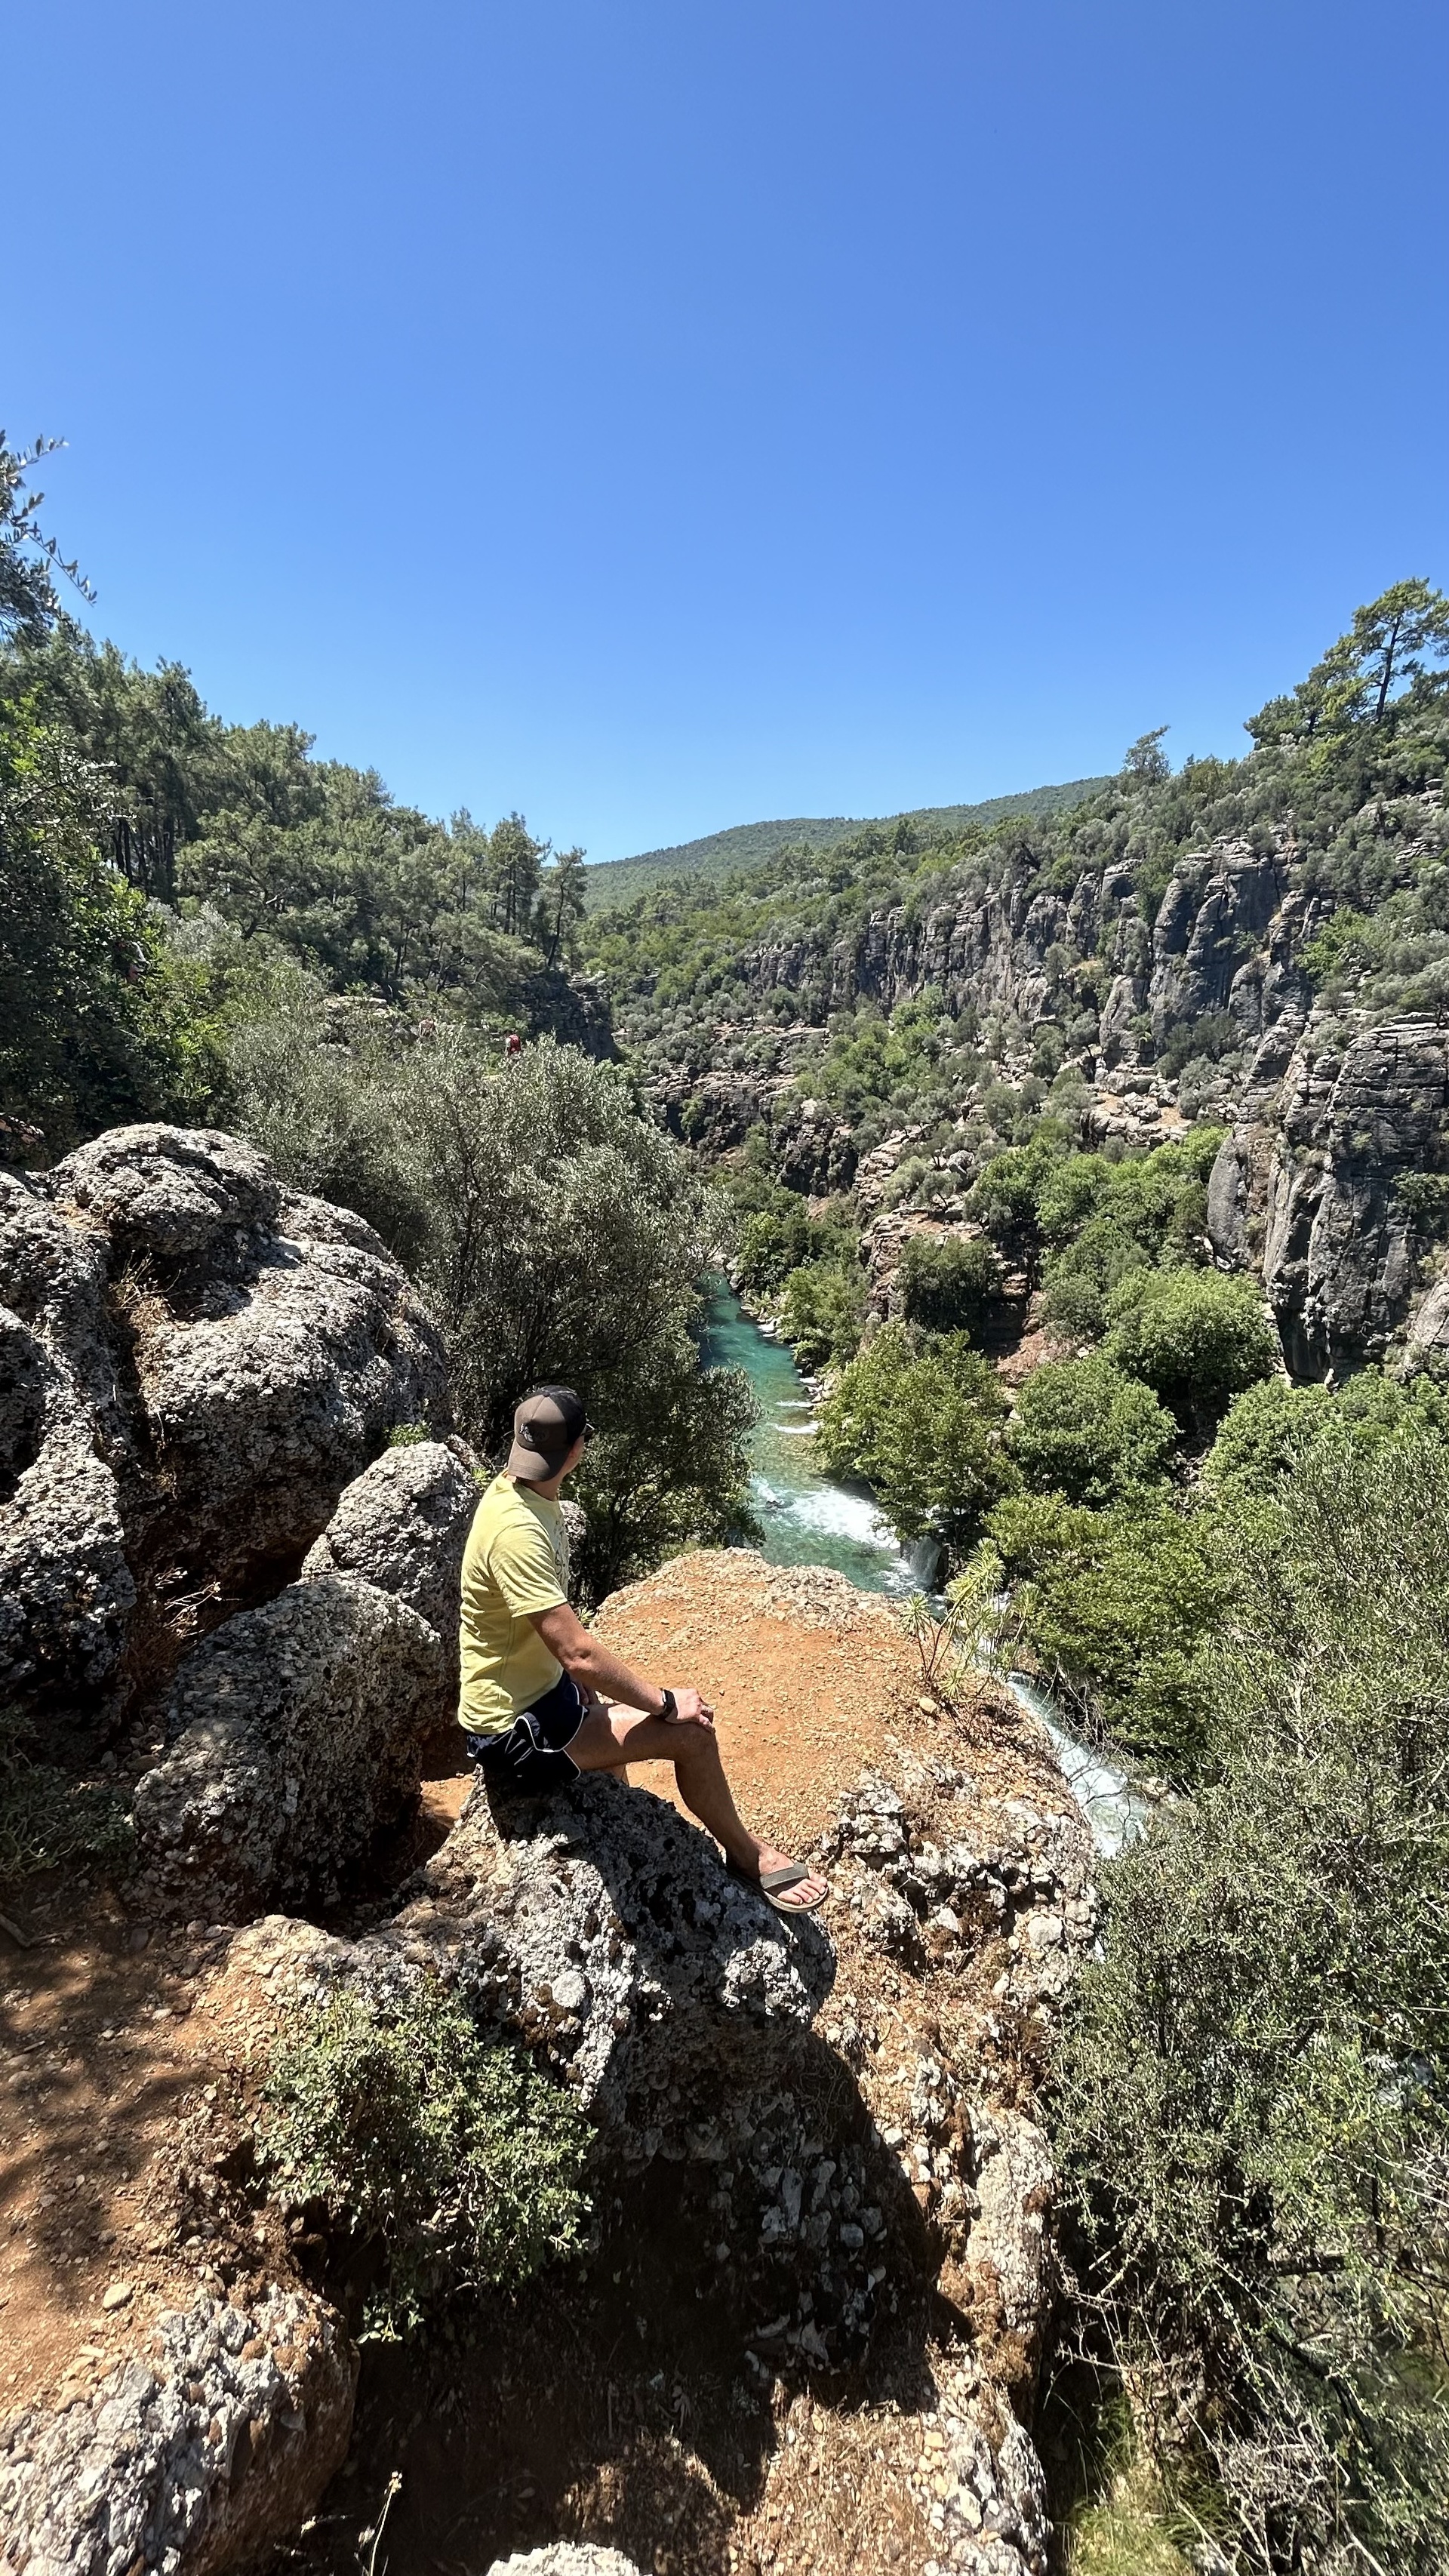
(545, 1426)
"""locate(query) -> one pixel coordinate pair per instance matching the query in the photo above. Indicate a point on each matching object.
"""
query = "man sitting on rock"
(542, 1698)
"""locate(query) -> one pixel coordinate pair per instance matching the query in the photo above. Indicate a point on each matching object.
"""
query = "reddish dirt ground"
(799, 1716)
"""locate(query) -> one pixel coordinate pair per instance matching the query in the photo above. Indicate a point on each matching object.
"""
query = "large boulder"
(403, 1524)
(601, 1928)
(194, 1363)
(298, 1732)
(201, 2457)
(66, 1590)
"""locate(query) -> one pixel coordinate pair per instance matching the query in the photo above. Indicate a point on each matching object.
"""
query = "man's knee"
(697, 1748)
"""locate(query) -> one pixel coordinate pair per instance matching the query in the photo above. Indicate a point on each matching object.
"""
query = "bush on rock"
(456, 2162)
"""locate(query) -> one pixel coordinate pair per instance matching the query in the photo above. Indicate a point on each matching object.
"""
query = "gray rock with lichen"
(298, 1731)
(403, 1524)
(1357, 1115)
(605, 1928)
(201, 2456)
(194, 1363)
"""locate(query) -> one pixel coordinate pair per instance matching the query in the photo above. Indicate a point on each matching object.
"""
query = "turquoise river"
(809, 1518)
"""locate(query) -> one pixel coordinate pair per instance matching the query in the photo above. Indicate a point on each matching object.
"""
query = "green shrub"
(923, 1426)
(1114, 1608)
(771, 1245)
(947, 1282)
(1084, 1430)
(559, 1236)
(1266, 1433)
(454, 2162)
(1194, 1336)
(822, 1311)
(1252, 2097)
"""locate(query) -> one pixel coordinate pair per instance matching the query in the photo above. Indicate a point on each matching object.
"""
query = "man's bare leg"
(611, 1737)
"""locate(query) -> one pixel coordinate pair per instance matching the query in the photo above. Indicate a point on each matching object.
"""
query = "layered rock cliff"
(1327, 1187)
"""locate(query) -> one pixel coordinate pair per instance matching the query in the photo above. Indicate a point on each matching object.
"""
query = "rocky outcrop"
(565, 2558)
(298, 1731)
(193, 1363)
(402, 1525)
(197, 2457)
(1318, 1189)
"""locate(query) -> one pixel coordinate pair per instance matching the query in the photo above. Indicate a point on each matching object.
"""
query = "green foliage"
(1086, 1222)
(1083, 1430)
(456, 2163)
(29, 560)
(772, 1244)
(947, 1284)
(822, 1311)
(1114, 1608)
(923, 1426)
(1252, 2097)
(364, 893)
(1266, 1434)
(1392, 646)
(722, 855)
(559, 1235)
(47, 1818)
(91, 1031)
(1194, 1336)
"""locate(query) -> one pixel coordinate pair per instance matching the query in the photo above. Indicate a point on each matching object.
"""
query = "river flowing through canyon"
(808, 1517)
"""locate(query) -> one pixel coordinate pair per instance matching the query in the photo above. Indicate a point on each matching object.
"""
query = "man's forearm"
(592, 1663)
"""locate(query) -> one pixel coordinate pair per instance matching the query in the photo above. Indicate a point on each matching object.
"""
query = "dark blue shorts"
(532, 1754)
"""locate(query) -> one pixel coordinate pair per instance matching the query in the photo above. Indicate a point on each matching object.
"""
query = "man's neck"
(547, 1493)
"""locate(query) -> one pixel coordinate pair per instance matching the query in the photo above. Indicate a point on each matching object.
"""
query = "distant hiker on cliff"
(542, 1698)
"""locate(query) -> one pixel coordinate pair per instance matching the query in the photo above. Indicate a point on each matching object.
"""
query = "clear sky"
(659, 414)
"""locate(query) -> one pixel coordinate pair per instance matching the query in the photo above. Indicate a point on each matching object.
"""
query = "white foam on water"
(1114, 1807)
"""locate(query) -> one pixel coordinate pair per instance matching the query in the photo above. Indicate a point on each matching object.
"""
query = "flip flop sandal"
(772, 1884)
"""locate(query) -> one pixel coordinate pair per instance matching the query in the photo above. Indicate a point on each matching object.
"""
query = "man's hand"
(691, 1710)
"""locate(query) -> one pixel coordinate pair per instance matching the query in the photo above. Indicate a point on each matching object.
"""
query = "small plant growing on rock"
(455, 2160)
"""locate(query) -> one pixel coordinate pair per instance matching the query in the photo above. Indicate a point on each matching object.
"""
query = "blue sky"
(654, 415)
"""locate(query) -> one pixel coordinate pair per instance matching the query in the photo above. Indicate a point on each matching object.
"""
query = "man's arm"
(590, 1663)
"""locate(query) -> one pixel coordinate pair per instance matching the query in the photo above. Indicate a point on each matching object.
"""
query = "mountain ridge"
(745, 845)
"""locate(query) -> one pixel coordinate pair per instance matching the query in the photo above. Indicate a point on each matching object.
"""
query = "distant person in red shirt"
(513, 1043)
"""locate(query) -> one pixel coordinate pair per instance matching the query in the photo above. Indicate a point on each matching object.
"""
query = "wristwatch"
(671, 1705)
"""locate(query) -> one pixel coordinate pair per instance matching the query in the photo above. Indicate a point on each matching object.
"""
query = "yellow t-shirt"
(516, 1560)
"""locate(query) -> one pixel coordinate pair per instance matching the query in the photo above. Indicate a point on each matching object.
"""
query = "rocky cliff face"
(193, 1363)
(1327, 1187)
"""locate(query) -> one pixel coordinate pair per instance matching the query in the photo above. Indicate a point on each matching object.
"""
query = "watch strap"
(671, 1705)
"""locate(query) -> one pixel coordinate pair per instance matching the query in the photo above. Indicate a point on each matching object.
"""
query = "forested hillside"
(747, 845)
(203, 923)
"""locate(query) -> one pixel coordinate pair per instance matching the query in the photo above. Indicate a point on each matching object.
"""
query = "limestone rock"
(565, 2558)
(402, 1525)
(606, 1927)
(193, 1364)
(169, 1194)
(66, 1591)
(1340, 1251)
(199, 2459)
(298, 1730)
